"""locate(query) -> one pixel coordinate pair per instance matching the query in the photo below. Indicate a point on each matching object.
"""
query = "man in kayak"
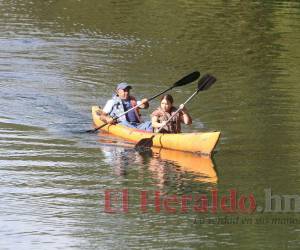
(122, 102)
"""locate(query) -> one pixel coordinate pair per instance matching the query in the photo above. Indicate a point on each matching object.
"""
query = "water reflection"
(166, 167)
(201, 167)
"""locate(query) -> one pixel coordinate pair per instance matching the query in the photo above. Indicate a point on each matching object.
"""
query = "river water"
(58, 58)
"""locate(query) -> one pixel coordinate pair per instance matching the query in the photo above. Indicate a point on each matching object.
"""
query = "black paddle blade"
(90, 130)
(144, 144)
(187, 79)
(206, 82)
(96, 129)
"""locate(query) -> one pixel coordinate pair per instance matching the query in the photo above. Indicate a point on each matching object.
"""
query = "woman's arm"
(185, 118)
(155, 123)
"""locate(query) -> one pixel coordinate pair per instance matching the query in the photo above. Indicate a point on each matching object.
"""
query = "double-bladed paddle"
(183, 81)
(204, 83)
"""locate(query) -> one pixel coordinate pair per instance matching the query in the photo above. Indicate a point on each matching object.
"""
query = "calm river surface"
(58, 58)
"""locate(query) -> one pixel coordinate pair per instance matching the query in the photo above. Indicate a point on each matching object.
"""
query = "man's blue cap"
(123, 85)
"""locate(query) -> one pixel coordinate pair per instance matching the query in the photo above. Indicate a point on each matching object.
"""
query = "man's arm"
(106, 118)
(144, 102)
(104, 114)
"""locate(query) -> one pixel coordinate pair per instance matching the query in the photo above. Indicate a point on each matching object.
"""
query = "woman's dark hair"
(169, 98)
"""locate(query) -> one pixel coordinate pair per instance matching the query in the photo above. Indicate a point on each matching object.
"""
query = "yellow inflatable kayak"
(203, 143)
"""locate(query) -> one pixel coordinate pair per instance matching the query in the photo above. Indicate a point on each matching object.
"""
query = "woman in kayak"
(165, 111)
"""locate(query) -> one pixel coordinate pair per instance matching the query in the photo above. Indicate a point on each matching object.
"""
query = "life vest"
(133, 103)
(118, 108)
(174, 125)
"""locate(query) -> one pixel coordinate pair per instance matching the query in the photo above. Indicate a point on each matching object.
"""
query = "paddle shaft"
(153, 97)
